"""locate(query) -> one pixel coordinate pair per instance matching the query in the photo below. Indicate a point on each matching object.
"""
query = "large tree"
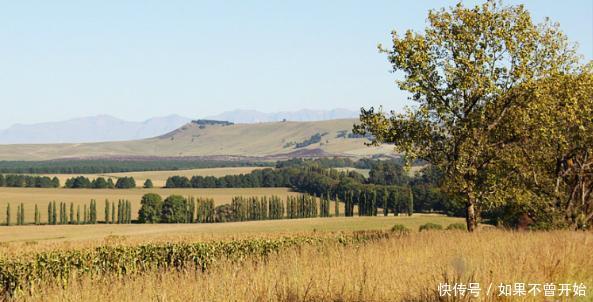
(150, 209)
(463, 73)
(174, 210)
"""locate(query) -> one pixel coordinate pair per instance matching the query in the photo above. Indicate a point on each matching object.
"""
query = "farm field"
(159, 178)
(196, 231)
(42, 196)
(399, 268)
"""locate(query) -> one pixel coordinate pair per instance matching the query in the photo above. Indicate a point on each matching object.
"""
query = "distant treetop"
(211, 122)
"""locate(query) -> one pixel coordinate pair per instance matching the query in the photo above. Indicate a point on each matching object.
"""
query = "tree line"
(28, 181)
(179, 209)
(92, 166)
(387, 187)
(63, 213)
(82, 182)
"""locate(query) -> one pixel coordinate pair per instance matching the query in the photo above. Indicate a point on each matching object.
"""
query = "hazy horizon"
(144, 119)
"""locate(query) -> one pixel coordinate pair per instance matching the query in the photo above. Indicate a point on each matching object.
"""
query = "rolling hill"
(274, 140)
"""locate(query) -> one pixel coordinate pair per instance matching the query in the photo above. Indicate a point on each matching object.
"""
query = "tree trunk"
(471, 216)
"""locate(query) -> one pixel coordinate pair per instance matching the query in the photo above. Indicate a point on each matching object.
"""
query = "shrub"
(457, 227)
(430, 226)
(400, 228)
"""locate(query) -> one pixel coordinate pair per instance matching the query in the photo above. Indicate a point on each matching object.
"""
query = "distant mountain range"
(304, 115)
(101, 128)
(105, 128)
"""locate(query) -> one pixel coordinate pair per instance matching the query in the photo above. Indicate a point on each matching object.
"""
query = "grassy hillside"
(264, 140)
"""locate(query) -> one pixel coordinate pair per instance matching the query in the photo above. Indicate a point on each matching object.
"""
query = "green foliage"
(107, 208)
(113, 166)
(174, 210)
(150, 208)
(212, 123)
(113, 213)
(78, 182)
(28, 181)
(37, 215)
(125, 183)
(410, 202)
(430, 227)
(54, 214)
(205, 212)
(8, 214)
(314, 139)
(100, 183)
(72, 213)
(148, 184)
(26, 272)
(388, 173)
(467, 80)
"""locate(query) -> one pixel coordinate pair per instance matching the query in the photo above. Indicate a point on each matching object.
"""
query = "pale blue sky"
(139, 59)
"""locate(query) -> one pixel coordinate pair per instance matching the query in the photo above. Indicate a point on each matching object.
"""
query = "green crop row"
(22, 273)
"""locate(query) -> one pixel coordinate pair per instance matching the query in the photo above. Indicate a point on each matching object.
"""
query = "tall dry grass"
(408, 268)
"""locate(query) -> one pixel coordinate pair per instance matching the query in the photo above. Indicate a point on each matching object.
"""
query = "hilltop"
(273, 140)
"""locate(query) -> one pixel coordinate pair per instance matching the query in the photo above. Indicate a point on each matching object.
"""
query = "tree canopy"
(467, 73)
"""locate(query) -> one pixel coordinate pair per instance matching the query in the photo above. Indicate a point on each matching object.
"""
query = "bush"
(430, 226)
(400, 228)
(457, 227)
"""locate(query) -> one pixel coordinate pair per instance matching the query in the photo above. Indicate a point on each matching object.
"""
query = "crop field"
(42, 196)
(160, 177)
(316, 266)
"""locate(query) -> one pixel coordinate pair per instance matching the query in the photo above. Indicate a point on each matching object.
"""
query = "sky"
(140, 59)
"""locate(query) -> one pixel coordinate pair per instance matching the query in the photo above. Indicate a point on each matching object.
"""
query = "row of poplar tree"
(62, 213)
(177, 209)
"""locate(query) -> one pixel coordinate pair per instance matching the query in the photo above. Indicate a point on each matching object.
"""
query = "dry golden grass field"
(401, 268)
(42, 196)
(39, 235)
(160, 177)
